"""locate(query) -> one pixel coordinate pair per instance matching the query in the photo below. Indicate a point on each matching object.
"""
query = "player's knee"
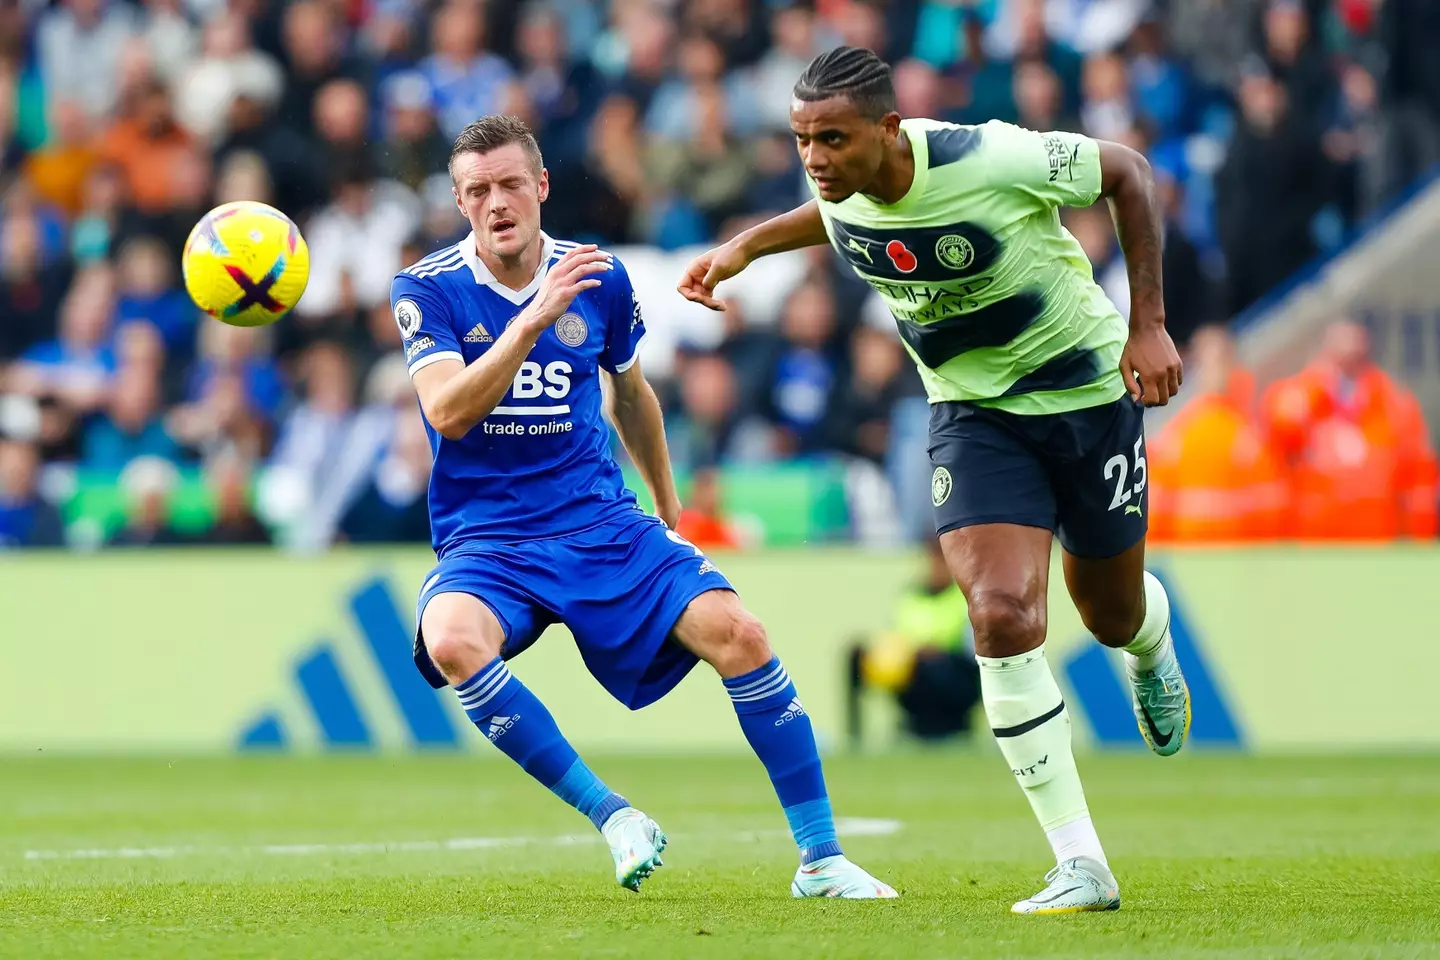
(1112, 625)
(1006, 624)
(746, 648)
(459, 646)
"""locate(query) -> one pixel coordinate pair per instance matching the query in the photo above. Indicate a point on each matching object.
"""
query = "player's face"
(842, 150)
(500, 193)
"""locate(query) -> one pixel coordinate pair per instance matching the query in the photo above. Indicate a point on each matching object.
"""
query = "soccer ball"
(245, 263)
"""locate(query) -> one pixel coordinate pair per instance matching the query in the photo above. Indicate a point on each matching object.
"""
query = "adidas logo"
(708, 567)
(498, 726)
(796, 709)
(478, 334)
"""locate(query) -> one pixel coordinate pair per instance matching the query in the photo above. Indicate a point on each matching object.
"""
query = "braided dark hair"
(850, 72)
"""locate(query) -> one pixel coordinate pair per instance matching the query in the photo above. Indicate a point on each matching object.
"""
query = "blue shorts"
(1079, 474)
(619, 586)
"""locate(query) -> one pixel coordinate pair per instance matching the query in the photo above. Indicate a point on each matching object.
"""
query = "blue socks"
(517, 722)
(774, 721)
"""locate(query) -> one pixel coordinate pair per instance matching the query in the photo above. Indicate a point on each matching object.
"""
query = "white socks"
(1152, 645)
(1032, 728)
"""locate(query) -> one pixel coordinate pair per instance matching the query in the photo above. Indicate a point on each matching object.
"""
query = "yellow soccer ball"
(245, 263)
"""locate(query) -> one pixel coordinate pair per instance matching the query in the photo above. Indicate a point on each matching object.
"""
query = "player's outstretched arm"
(455, 397)
(1150, 363)
(801, 227)
(635, 411)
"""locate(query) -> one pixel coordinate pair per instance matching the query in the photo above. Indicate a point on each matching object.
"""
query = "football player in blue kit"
(507, 336)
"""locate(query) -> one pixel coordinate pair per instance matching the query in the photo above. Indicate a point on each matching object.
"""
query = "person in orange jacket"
(1213, 476)
(1357, 445)
(702, 519)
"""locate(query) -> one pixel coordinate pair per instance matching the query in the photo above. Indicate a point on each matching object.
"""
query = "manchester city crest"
(954, 251)
(940, 484)
(571, 329)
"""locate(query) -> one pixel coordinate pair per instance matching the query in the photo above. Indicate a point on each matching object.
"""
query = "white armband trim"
(430, 358)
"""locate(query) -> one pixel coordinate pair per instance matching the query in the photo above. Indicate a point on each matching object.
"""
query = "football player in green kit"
(1037, 388)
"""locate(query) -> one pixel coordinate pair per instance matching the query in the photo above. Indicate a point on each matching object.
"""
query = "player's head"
(844, 119)
(499, 182)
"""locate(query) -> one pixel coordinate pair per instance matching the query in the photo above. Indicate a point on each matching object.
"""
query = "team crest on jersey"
(407, 317)
(940, 486)
(571, 329)
(955, 251)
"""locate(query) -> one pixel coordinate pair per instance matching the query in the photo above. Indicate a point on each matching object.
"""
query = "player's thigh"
(995, 515)
(718, 629)
(985, 470)
(1101, 480)
(1103, 497)
(474, 608)
(1004, 571)
(621, 587)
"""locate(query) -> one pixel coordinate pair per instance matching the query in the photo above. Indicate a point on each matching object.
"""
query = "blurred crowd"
(1339, 451)
(1276, 127)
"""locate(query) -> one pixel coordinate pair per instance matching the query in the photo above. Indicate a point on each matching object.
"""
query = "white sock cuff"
(1020, 692)
(1157, 618)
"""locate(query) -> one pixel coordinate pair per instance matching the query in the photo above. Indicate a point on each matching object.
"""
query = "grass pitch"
(1218, 856)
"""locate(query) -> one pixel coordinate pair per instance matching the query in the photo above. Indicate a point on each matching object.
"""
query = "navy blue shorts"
(1079, 474)
(620, 587)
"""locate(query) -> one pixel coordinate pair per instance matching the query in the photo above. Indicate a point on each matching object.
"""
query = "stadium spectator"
(1360, 454)
(147, 146)
(413, 149)
(857, 419)
(355, 241)
(468, 80)
(132, 426)
(148, 483)
(392, 507)
(149, 294)
(308, 446)
(31, 287)
(803, 374)
(710, 428)
(702, 519)
(1213, 475)
(227, 477)
(57, 171)
(26, 518)
(78, 48)
(76, 367)
(1269, 190)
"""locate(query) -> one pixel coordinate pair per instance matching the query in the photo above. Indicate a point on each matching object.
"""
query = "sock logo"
(498, 726)
(1030, 770)
(795, 709)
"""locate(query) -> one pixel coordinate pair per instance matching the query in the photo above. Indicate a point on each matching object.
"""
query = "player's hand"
(572, 273)
(1150, 365)
(707, 270)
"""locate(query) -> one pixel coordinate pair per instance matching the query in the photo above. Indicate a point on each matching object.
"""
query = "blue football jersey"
(539, 465)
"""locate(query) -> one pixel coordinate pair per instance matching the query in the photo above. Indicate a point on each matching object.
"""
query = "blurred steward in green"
(925, 659)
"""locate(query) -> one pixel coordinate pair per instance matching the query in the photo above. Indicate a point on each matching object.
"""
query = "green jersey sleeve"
(1059, 169)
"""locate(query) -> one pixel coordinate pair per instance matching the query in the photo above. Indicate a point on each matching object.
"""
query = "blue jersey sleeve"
(624, 327)
(426, 325)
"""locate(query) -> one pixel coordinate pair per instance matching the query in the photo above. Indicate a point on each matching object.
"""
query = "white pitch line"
(844, 826)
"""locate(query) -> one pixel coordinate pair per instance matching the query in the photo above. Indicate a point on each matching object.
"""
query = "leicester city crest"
(954, 251)
(571, 329)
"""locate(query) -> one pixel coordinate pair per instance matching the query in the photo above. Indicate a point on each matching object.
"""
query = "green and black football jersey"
(995, 300)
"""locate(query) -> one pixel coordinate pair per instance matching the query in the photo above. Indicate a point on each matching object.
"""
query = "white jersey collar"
(484, 277)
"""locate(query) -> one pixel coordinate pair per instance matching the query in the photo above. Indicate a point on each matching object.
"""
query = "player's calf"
(459, 631)
(718, 629)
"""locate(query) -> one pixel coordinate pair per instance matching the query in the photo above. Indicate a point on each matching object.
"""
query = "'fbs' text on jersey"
(540, 465)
